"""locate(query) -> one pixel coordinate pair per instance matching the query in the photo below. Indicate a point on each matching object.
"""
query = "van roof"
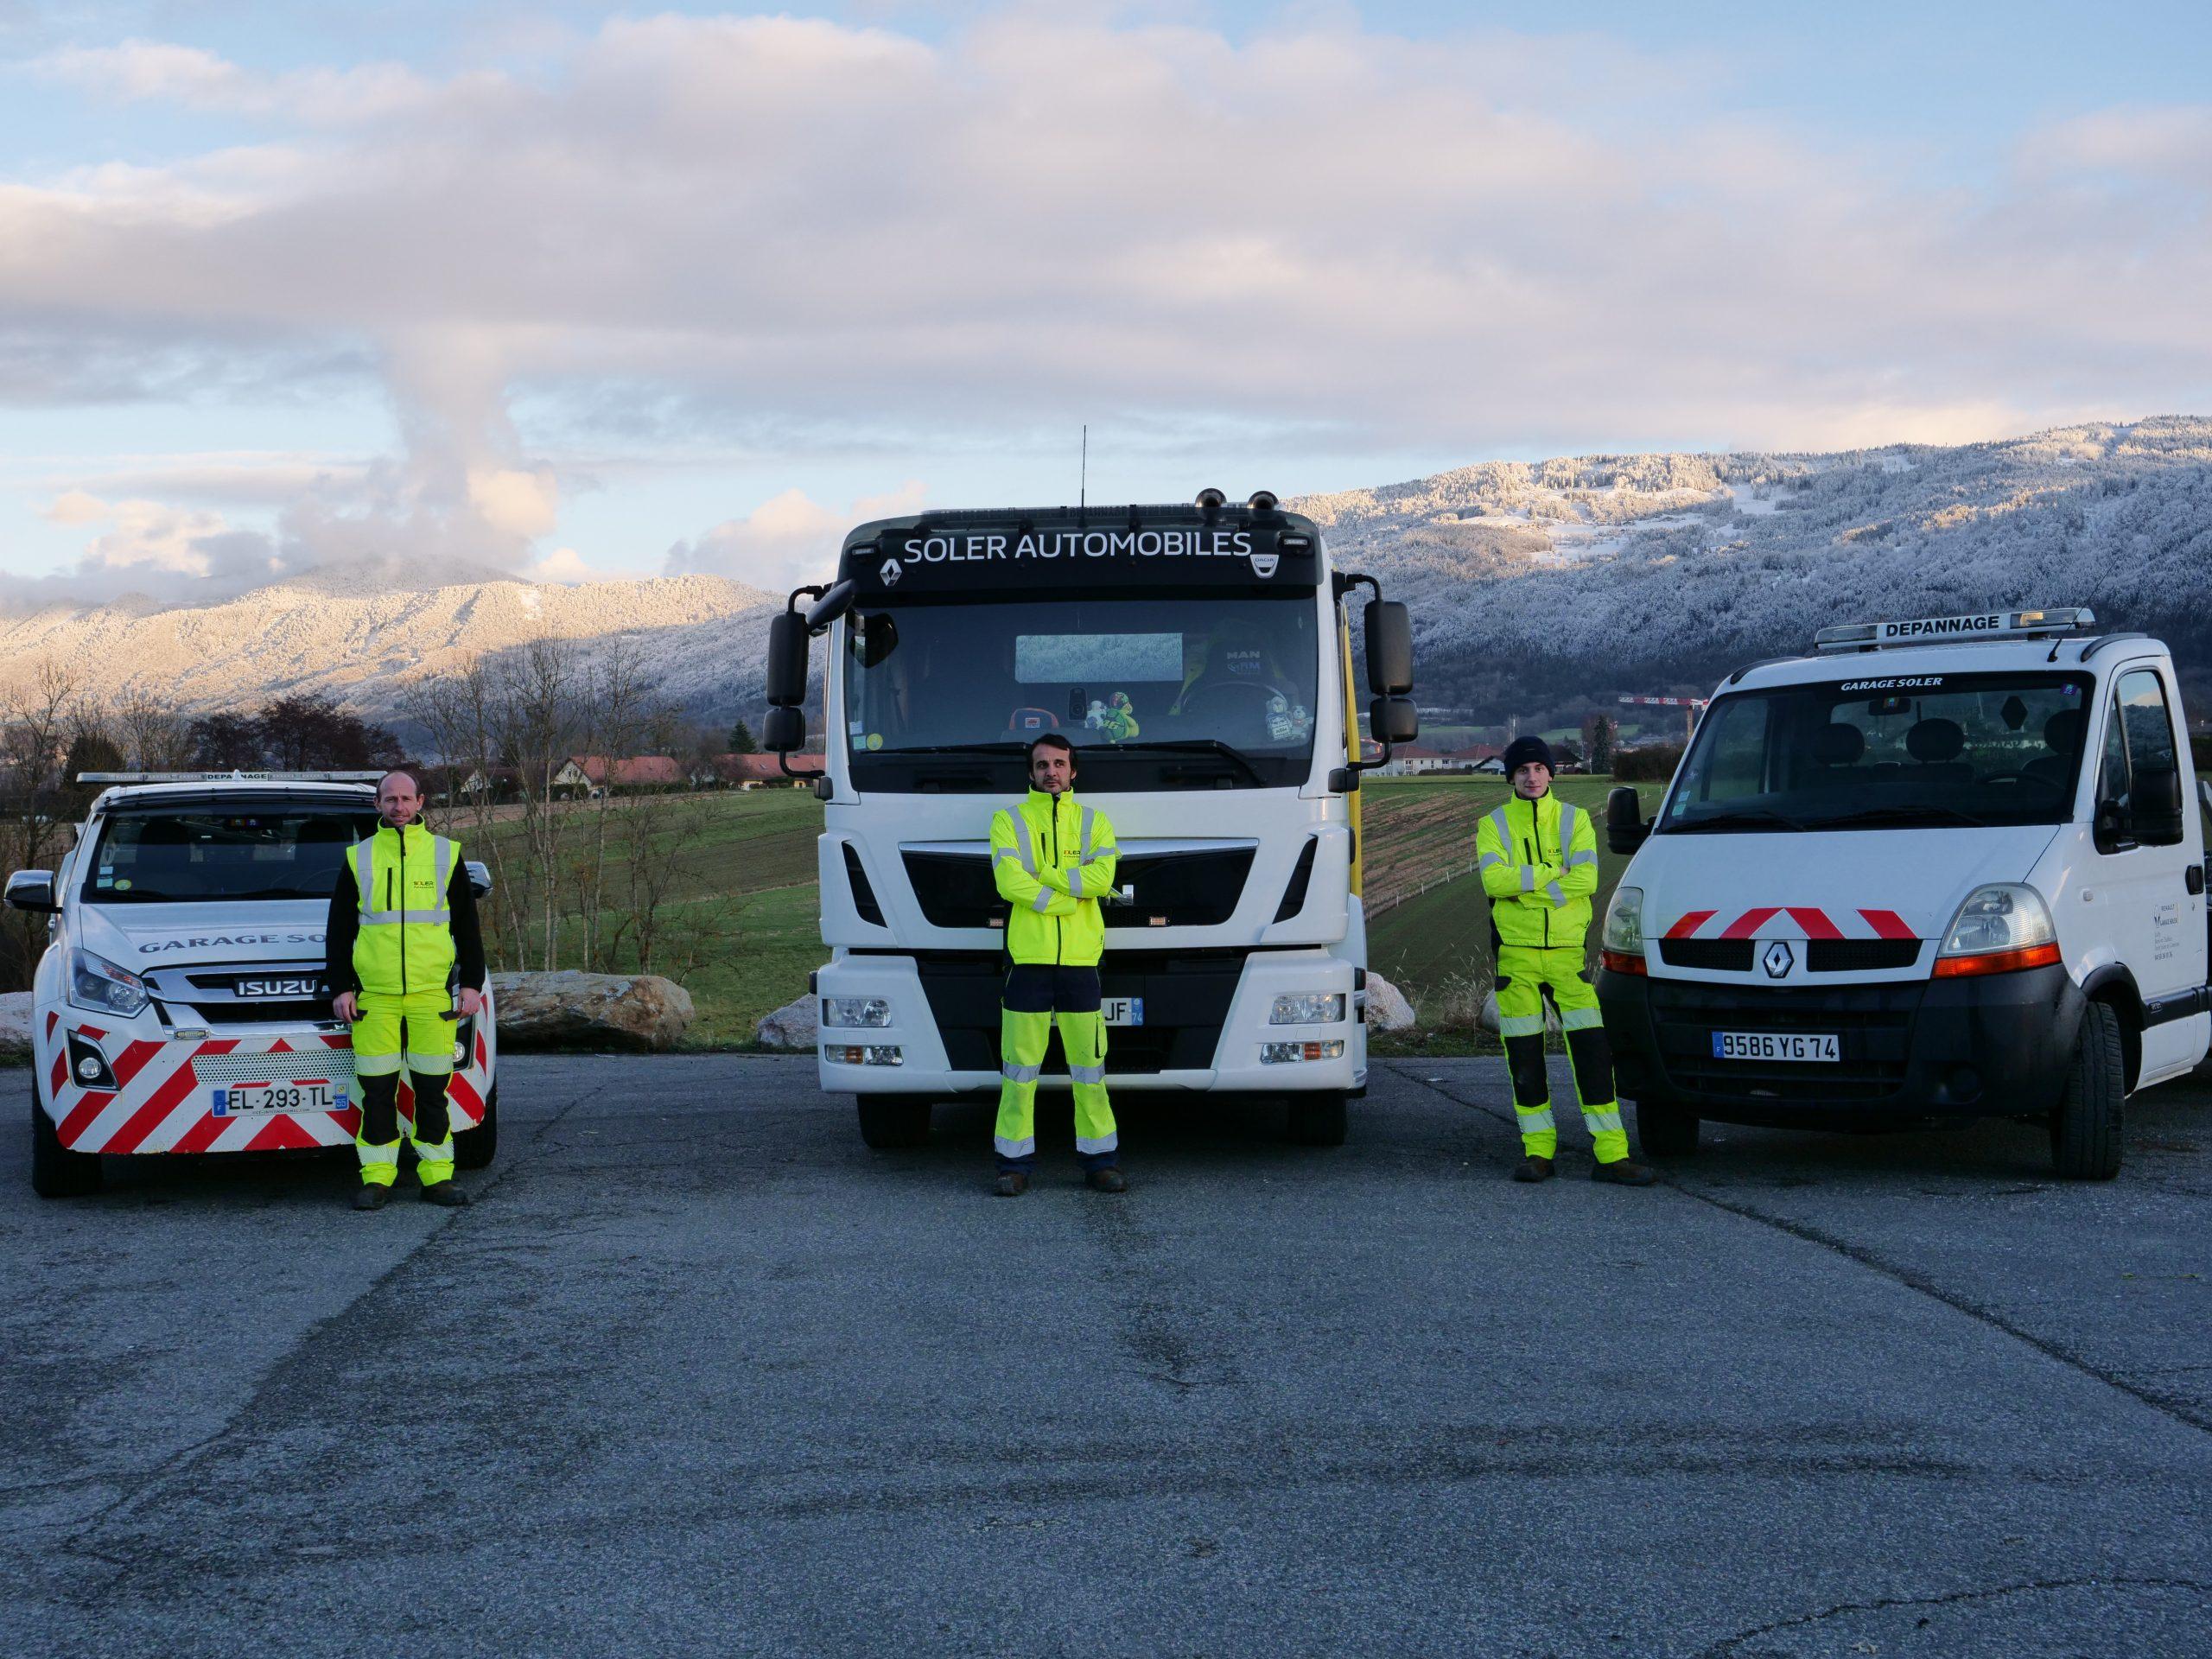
(1965, 657)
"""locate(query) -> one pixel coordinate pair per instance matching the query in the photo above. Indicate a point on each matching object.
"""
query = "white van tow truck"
(179, 1005)
(1942, 867)
(1198, 658)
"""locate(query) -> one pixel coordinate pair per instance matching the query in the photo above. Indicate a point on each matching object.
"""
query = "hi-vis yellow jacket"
(1539, 862)
(1053, 864)
(401, 878)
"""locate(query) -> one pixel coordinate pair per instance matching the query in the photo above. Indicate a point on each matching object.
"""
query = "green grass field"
(740, 929)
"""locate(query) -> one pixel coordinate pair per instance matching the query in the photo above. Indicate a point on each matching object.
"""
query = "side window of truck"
(2139, 770)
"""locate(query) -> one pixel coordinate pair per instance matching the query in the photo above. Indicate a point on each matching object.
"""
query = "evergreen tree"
(742, 740)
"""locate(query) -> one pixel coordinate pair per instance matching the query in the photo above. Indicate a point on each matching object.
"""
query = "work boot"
(1107, 1179)
(1621, 1173)
(1533, 1168)
(444, 1193)
(370, 1197)
(1012, 1184)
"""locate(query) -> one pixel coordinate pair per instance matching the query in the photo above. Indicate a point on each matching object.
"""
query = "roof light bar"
(1948, 630)
(231, 777)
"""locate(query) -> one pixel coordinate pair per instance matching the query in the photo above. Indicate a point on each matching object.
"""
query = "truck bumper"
(1996, 1046)
(165, 1090)
(1206, 1019)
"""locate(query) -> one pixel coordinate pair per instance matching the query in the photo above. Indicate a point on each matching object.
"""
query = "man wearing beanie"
(1538, 855)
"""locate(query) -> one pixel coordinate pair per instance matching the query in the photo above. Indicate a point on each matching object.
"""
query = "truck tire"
(1317, 1120)
(894, 1122)
(1665, 1128)
(56, 1172)
(475, 1149)
(2085, 1129)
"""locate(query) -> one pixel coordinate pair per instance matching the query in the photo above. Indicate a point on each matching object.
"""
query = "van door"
(2151, 908)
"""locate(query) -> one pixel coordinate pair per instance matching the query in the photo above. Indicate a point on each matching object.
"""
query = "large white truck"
(1948, 867)
(179, 1007)
(1198, 658)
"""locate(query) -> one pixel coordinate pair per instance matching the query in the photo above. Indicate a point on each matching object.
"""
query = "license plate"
(1123, 1010)
(244, 1099)
(1773, 1045)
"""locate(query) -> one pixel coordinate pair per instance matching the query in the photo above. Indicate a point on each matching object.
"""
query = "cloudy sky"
(561, 292)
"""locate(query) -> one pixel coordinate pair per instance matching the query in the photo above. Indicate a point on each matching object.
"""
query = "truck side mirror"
(832, 605)
(1392, 719)
(1389, 650)
(2109, 828)
(1625, 830)
(32, 890)
(787, 643)
(2154, 803)
(785, 729)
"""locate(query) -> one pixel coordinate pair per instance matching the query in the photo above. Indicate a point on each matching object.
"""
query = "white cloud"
(787, 541)
(848, 236)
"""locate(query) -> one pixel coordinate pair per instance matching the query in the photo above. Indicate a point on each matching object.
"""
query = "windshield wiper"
(1901, 814)
(1751, 818)
(1009, 747)
(1212, 746)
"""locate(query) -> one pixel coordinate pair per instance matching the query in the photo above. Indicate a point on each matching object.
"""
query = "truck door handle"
(2195, 879)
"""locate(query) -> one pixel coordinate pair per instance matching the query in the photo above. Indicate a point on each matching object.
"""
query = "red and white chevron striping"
(1791, 922)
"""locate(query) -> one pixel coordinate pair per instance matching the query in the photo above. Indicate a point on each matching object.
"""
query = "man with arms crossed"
(1053, 860)
(1539, 860)
(401, 918)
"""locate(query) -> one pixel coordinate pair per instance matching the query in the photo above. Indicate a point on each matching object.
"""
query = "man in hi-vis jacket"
(1053, 860)
(1539, 861)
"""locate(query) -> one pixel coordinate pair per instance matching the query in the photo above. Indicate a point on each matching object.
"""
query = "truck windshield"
(1878, 751)
(1171, 692)
(200, 856)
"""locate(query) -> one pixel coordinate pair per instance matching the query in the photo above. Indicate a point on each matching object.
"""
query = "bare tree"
(36, 826)
(154, 734)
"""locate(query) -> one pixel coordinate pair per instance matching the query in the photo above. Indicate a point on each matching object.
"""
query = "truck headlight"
(97, 984)
(855, 1011)
(1624, 922)
(1308, 1008)
(2001, 928)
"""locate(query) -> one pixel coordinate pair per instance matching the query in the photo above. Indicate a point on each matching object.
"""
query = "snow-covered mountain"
(1527, 582)
(352, 636)
(1656, 573)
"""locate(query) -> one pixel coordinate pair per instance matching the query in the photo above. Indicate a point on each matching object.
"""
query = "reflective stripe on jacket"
(1052, 865)
(1539, 862)
(400, 879)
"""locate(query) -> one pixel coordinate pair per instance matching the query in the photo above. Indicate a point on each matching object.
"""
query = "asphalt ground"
(698, 1373)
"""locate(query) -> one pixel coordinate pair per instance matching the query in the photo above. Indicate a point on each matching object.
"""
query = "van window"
(2138, 746)
(200, 854)
(1877, 752)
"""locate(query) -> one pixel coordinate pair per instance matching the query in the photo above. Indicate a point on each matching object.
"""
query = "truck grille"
(1187, 1002)
(308, 1065)
(1178, 889)
(1821, 956)
(1718, 955)
(1872, 1025)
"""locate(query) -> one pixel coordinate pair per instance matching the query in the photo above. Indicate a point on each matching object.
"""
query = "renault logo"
(891, 572)
(1778, 959)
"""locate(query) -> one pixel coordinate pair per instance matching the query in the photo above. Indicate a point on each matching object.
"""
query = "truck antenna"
(1082, 477)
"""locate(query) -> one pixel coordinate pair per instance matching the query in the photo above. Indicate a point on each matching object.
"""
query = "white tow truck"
(181, 1006)
(1944, 866)
(1198, 658)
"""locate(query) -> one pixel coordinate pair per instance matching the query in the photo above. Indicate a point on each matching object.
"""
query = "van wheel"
(894, 1122)
(2085, 1129)
(1317, 1120)
(1665, 1128)
(56, 1172)
(475, 1149)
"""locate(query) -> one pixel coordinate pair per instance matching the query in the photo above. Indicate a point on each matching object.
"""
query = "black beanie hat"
(1522, 750)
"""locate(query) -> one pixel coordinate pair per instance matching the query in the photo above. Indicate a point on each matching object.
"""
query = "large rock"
(1386, 1008)
(575, 1009)
(794, 1026)
(15, 1022)
(1491, 1020)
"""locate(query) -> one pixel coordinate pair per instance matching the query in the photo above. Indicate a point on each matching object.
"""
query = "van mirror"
(787, 642)
(1389, 649)
(2154, 805)
(1392, 719)
(785, 729)
(32, 890)
(1625, 830)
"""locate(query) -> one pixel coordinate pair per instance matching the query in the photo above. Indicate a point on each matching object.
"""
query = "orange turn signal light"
(1997, 961)
(1620, 962)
